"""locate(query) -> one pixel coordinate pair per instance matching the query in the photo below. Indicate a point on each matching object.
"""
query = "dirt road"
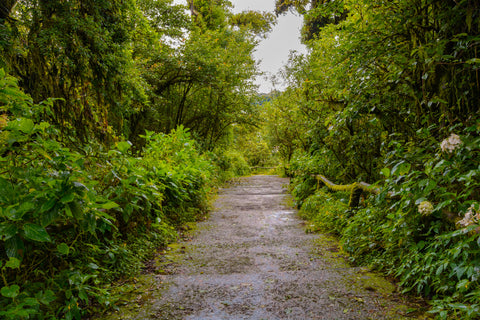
(252, 259)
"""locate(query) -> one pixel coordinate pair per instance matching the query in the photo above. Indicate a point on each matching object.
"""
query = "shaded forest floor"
(252, 259)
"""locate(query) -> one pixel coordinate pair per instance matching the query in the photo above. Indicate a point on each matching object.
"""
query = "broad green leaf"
(385, 172)
(63, 248)
(463, 284)
(30, 302)
(10, 291)
(404, 169)
(109, 205)
(49, 216)
(7, 230)
(76, 210)
(13, 263)
(473, 61)
(12, 213)
(26, 207)
(48, 205)
(401, 168)
(68, 212)
(47, 297)
(68, 198)
(14, 247)
(112, 153)
(123, 146)
(22, 124)
(79, 185)
(82, 294)
(80, 188)
(36, 233)
(93, 266)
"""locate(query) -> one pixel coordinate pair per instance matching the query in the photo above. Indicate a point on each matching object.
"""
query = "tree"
(317, 14)
(77, 51)
(204, 83)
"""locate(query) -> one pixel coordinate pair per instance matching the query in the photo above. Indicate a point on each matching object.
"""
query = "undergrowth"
(422, 229)
(74, 217)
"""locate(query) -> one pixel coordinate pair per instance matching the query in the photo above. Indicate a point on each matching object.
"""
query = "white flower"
(471, 217)
(451, 143)
(425, 208)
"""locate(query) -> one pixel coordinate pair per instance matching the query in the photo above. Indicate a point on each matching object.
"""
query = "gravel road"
(252, 259)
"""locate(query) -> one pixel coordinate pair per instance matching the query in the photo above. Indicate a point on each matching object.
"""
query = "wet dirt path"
(252, 259)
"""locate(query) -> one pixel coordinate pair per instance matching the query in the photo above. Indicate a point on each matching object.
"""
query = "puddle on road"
(284, 215)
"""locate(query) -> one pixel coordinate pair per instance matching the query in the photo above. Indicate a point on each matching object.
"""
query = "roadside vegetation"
(117, 122)
(119, 118)
(389, 94)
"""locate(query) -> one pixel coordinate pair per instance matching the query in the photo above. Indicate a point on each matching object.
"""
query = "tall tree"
(204, 82)
(76, 51)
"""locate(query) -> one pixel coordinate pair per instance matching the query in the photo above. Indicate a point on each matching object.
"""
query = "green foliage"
(72, 220)
(325, 211)
(174, 160)
(77, 51)
(394, 101)
(260, 23)
(211, 15)
(104, 156)
(317, 14)
(203, 85)
(164, 17)
(231, 164)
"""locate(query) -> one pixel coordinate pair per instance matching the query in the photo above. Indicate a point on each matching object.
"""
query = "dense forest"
(119, 118)
(389, 94)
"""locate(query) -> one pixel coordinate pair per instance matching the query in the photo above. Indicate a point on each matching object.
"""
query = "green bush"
(326, 211)
(423, 228)
(73, 218)
(230, 164)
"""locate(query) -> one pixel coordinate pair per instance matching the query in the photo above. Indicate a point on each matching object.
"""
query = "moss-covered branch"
(356, 189)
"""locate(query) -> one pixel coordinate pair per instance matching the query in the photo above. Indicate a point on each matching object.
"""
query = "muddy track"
(252, 259)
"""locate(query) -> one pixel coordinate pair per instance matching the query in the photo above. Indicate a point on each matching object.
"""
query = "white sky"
(272, 53)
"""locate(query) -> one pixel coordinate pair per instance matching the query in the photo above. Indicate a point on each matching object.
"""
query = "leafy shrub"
(423, 228)
(231, 164)
(176, 162)
(73, 217)
(326, 211)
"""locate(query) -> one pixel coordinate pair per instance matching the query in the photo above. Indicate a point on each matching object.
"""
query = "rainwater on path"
(252, 259)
